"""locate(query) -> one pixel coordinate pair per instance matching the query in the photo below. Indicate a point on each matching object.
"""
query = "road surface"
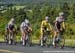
(18, 48)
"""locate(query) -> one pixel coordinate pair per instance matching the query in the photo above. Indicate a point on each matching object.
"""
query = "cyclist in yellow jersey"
(45, 30)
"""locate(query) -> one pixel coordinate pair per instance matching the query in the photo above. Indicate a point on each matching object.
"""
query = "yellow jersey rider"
(45, 27)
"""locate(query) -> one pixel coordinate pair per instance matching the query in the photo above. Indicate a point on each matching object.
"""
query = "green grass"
(68, 42)
(1, 38)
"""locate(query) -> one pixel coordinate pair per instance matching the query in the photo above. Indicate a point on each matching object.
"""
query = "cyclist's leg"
(57, 39)
(24, 38)
(21, 35)
(45, 40)
(62, 43)
(29, 36)
(13, 37)
(11, 34)
(41, 40)
(54, 38)
(6, 36)
(28, 39)
(10, 37)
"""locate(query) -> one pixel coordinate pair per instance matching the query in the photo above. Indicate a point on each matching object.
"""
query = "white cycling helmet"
(61, 13)
(47, 18)
(26, 21)
(12, 19)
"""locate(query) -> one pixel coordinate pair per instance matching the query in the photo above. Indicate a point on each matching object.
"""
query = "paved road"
(4, 48)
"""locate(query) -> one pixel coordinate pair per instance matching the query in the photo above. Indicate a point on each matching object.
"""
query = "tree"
(65, 9)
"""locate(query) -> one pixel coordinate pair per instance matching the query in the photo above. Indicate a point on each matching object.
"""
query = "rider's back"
(59, 22)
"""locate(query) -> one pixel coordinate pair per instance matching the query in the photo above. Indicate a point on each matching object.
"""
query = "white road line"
(58, 51)
(8, 51)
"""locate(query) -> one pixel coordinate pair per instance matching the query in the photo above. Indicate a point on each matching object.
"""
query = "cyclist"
(25, 30)
(45, 30)
(59, 28)
(11, 29)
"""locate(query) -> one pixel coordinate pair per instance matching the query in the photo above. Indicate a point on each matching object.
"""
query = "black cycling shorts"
(57, 27)
(11, 27)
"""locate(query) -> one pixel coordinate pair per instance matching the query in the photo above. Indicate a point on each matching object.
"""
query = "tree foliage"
(37, 13)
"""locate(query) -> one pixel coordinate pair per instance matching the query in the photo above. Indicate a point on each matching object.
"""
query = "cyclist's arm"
(50, 27)
(8, 27)
(63, 25)
(30, 28)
